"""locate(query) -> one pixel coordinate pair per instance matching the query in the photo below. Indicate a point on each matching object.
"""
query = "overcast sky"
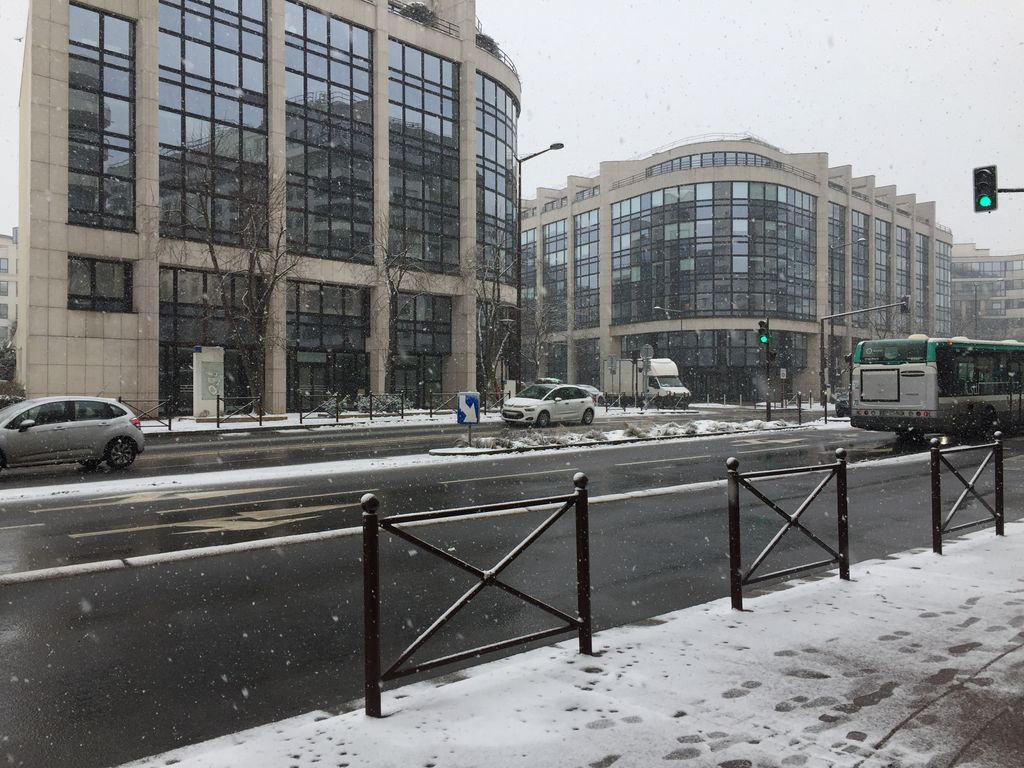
(916, 93)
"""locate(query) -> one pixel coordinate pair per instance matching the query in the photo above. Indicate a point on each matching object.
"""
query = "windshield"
(893, 351)
(669, 381)
(7, 411)
(536, 391)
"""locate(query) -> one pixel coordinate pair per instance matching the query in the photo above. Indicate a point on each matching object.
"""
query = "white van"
(663, 381)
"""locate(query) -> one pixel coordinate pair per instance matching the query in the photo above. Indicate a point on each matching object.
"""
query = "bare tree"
(495, 313)
(400, 269)
(541, 320)
(8, 355)
(242, 236)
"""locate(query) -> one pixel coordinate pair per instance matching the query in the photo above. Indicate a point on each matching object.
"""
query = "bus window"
(893, 351)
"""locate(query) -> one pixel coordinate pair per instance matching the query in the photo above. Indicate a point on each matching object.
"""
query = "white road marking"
(248, 521)
(179, 510)
(661, 461)
(773, 441)
(26, 525)
(505, 477)
(765, 450)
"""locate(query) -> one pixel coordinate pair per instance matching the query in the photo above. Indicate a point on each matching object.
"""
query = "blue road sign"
(469, 408)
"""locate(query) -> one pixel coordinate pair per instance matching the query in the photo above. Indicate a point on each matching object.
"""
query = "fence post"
(936, 498)
(259, 405)
(371, 604)
(799, 411)
(735, 576)
(218, 410)
(998, 451)
(430, 403)
(371, 405)
(586, 633)
(337, 407)
(401, 412)
(843, 515)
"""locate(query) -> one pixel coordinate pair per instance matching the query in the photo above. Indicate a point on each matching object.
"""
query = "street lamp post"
(832, 328)
(517, 355)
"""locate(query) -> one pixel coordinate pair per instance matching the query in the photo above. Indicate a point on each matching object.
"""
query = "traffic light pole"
(768, 375)
(903, 303)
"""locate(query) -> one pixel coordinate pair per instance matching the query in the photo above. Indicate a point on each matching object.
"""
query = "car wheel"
(543, 419)
(120, 452)
(588, 416)
(90, 464)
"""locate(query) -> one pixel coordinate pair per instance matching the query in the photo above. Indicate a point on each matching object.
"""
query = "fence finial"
(369, 503)
(841, 454)
(580, 480)
(732, 463)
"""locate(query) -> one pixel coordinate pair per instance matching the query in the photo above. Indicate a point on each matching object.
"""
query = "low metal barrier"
(938, 458)
(245, 406)
(152, 413)
(841, 555)
(396, 525)
(331, 403)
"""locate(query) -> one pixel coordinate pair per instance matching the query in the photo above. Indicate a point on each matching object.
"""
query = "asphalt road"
(104, 667)
(58, 529)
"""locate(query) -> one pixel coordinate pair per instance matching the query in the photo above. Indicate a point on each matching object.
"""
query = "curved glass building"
(687, 250)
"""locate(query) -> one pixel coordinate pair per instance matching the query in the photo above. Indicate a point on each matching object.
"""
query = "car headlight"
(529, 407)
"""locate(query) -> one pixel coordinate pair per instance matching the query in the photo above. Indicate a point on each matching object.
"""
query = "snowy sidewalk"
(918, 661)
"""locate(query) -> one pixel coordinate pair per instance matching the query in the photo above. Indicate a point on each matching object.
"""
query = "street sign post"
(468, 412)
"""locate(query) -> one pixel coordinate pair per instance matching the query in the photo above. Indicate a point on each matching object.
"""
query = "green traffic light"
(985, 201)
(763, 338)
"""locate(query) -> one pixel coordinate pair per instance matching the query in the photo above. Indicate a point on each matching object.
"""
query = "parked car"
(542, 404)
(56, 430)
(594, 392)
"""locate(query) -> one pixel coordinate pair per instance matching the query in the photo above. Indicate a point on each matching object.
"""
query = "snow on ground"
(291, 421)
(906, 665)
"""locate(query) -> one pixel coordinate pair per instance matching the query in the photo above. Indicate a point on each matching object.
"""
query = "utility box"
(207, 379)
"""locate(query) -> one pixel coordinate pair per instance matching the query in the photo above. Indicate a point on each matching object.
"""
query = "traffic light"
(905, 305)
(762, 331)
(986, 194)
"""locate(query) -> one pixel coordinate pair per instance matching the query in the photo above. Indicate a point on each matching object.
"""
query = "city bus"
(919, 384)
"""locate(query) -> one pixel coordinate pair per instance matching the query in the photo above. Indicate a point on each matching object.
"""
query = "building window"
(101, 119)
(4, 288)
(213, 120)
(5, 265)
(424, 324)
(327, 317)
(329, 135)
(714, 249)
(859, 265)
(586, 268)
(496, 114)
(554, 272)
(100, 286)
(3, 312)
(423, 100)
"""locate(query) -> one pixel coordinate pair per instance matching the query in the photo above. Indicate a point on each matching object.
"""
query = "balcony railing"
(422, 15)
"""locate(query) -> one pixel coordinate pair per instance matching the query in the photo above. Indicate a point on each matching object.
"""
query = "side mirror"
(558, 399)
(26, 424)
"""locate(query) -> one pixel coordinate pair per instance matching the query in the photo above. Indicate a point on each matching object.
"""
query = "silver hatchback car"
(55, 430)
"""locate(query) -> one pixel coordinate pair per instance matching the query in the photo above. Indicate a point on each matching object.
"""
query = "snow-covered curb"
(536, 441)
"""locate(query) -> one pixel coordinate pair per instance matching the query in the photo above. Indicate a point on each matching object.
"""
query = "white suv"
(55, 430)
(542, 404)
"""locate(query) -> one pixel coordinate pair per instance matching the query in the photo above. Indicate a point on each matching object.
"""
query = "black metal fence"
(942, 526)
(239, 408)
(151, 409)
(839, 555)
(397, 526)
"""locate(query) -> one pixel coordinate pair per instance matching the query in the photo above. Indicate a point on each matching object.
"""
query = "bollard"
(842, 514)
(735, 574)
(936, 498)
(586, 631)
(799, 412)
(371, 604)
(998, 455)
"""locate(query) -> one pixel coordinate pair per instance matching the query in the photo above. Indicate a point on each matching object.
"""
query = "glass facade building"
(700, 243)
(292, 163)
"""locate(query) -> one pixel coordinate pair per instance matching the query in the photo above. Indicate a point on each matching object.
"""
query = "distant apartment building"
(8, 286)
(365, 127)
(988, 293)
(688, 249)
